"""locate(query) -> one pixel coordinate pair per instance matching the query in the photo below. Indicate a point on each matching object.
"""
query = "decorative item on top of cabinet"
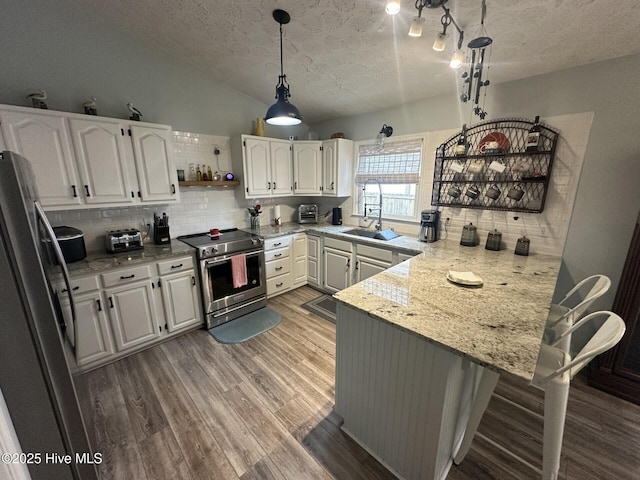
(498, 165)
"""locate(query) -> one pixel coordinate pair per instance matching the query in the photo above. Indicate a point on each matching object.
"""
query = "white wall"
(608, 196)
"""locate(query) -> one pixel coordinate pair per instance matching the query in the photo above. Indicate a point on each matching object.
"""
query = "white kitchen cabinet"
(371, 260)
(102, 161)
(337, 264)
(132, 312)
(83, 161)
(94, 340)
(281, 168)
(267, 167)
(91, 336)
(153, 152)
(43, 138)
(299, 259)
(314, 260)
(307, 168)
(405, 256)
(180, 300)
(278, 261)
(178, 288)
(337, 167)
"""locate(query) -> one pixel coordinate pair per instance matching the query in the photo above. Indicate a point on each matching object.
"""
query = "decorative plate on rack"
(501, 144)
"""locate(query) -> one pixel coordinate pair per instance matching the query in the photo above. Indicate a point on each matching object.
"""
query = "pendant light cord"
(281, 61)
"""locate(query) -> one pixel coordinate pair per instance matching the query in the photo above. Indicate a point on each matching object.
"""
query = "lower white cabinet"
(337, 264)
(91, 336)
(133, 315)
(371, 261)
(278, 258)
(314, 260)
(180, 301)
(299, 259)
(121, 311)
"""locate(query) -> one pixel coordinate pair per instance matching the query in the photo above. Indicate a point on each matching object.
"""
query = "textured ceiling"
(344, 57)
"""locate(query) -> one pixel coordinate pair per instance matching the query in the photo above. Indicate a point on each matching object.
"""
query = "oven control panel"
(207, 252)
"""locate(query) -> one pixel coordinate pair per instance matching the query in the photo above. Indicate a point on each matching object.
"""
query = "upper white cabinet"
(337, 167)
(154, 162)
(307, 168)
(102, 161)
(87, 161)
(267, 167)
(280, 168)
(43, 137)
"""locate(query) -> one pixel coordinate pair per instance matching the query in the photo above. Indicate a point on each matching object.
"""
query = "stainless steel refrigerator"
(35, 380)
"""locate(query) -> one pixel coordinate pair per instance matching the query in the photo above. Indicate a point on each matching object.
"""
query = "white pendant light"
(440, 42)
(282, 112)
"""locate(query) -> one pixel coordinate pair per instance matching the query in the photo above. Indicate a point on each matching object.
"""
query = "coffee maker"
(429, 226)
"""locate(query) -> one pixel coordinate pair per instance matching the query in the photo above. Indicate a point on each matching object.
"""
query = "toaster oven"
(123, 240)
(308, 213)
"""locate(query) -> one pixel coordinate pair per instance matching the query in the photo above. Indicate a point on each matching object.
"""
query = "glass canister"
(494, 240)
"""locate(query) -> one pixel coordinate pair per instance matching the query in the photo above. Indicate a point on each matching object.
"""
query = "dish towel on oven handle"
(239, 270)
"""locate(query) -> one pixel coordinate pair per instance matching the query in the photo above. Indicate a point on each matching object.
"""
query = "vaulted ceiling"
(344, 57)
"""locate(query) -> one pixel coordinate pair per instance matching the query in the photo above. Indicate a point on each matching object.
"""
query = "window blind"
(395, 162)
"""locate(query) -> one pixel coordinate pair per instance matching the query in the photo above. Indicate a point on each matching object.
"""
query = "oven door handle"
(225, 258)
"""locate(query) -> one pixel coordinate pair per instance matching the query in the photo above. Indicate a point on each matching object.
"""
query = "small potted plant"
(254, 213)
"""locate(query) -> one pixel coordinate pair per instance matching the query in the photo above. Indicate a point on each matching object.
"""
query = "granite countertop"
(498, 325)
(97, 262)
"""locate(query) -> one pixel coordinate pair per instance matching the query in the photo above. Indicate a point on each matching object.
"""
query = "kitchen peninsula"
(417, 356)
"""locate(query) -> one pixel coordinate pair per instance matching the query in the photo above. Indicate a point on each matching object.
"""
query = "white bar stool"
(553, 374)
(562, 317)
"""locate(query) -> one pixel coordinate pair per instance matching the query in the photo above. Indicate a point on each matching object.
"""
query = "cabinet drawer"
(278, 284)
(338, 244)
(380, 254)
(83, 285)
(175, 265)
(129, 275)
(277, 242)
(278, 267)
(277, 254)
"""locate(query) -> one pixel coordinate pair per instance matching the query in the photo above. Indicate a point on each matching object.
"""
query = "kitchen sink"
(378, 235)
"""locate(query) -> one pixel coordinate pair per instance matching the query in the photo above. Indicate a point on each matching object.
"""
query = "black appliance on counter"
(308, 213)
(37, 385)
(429, 226)
(221, 300)
(161, 229)
(336, 217)
(71, 241)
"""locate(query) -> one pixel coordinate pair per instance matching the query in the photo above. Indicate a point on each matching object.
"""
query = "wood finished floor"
(192, 408)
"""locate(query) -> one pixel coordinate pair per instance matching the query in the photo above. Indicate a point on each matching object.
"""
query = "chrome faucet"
(378, 225)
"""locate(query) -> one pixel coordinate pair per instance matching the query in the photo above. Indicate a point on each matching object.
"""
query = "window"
(393, 169)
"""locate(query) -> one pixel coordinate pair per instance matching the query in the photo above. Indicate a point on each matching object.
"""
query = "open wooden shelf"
(211, 183)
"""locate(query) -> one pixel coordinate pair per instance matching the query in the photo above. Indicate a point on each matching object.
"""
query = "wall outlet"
(544, 231)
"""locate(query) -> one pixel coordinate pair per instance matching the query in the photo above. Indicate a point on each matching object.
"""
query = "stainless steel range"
(222, 300)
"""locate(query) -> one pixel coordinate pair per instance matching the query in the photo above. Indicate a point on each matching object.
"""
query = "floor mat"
(248, 326)
(324, 306)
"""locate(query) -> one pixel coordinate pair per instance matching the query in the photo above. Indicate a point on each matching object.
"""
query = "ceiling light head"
(457, 59)
(282, 112)
(416, 27)
(393, 7)
(440, 42)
